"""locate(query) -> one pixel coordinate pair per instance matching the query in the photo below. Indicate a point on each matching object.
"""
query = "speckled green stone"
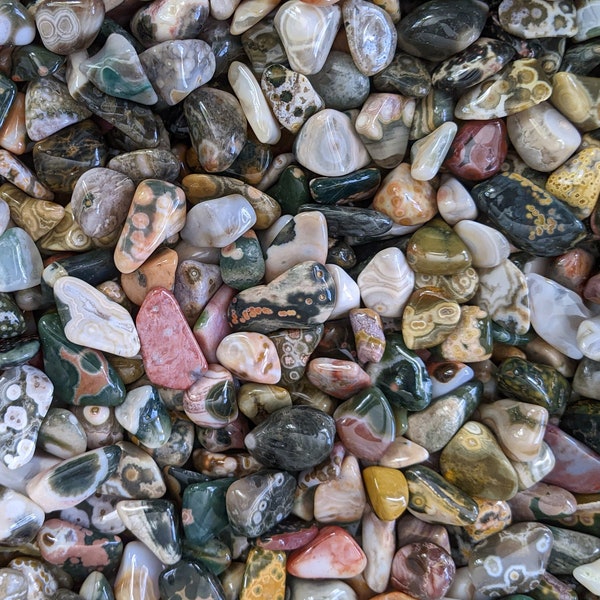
(571, 549)
(406, 75)
(214, 555)
(14, 352)
(291, 190)
(12, 321)
(534, 383)
(582, 421)
(189, 580)
(401, 375)
(32, 61)
(531, 218)
(242, 263)
(81, 376)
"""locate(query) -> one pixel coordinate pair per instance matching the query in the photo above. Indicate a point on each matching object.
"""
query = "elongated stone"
(378, 545)
(17, 173)
(138, 573)
(73, 479)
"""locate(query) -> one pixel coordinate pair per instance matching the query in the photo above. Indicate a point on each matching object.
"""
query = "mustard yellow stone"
(264, 576)
(387, 490)
(577, 181)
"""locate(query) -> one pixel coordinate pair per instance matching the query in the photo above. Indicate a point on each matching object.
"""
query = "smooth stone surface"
(488, 247)
(22, 266)
(138, 574)
(194, 285)
(454, 201)
(427, 153)
(22, 518)
(387, 490)
(575, 96)
(338, 378)
(329, 145)
(379, 545)
(61, 434)
(537, 19)
(19, 174)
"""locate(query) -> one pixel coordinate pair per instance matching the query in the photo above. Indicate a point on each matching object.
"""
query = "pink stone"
(577, 467)
(212, 324)
(171, 355)
(411, 529)
(333, 554)
(338, 378)
(423, 570)
(288, 536)
(478, 149)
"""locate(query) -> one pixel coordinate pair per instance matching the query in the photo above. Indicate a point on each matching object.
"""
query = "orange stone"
(157, 271)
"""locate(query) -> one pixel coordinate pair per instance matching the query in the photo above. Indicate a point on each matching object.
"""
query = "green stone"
(571, 549)
(242, 263)
(189, 580)
(12, 321)
(214, 555)
(534, 383)
(61, 434)
(15, 352)
(291, 190)
(81, 376)
(401, 375)
(204, 515)
(582, 421)
(359, 185)
(435, 500)
(32, 61)
(504, 336)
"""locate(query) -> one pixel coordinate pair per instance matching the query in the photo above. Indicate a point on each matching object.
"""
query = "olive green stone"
(242, 263)
(582, 421)
(571, 549)
(291, 190)
(12, 321)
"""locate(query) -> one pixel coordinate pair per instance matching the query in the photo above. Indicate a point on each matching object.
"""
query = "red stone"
(478, 150)
(423, 570)
(333, 554)
(338, 378)
(171, 355)
(577, 467)
(288, 535)
(591, 291)
(572, 269)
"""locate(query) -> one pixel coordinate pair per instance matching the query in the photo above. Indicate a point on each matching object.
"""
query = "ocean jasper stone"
(328, 144)
(478, 150)
(428, 153)
(157, 212)
(138, 573)
(21, 519)
(263, 46)
(405, 199)
(78, 550)
(214, 115)
(61, 434)
(171, 356)
(428, 318)
(406, 75)
(144, 415)
(534, 383)
(371, 35)
(519, 554)
(242, 264)
(365, 424)
(338, 378)
(64, 30)
(575, 96)
(292, 438)
(538, 19)
(194, 285)
(423, 570)
(38, 578)
(21, 267)
(74, 479)
(168, 20)
(302, 296)
(265, 570)
(474, 462)
(258, 401)
(307, 33)
(83, 376)
(189, 579)
(17, 173)
(333, 553)
(471, 340)
(543, 137)
(19, 25)
(488, 247)
(258, 502)
(401, 375)
(483, 58)
(368, 334)
(436, 30)
(531, 218)
(520, 85)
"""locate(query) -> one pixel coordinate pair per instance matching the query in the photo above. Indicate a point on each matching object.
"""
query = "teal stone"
(291, 190)
(144, 415)
(32, 61)
(351, 221)
(530, 217)
(61, 434)
(302, 296)
(402, 375)
(406, 75)
(292, 438)
(12, 321)
(214, 555)
(15, 352)
(204, 515)
(258, 502)
(356, 186)
(582, 421)
(8, 91)
(93, 267)
(62, 157)
(434, 500)
(534, 383)
(20, 261)
(242, 263)
(82, 376)
(178, 479)
(504, 336)
(96, 587)
(365, 423)
(189, 580)
(571, 549)
(155, 523)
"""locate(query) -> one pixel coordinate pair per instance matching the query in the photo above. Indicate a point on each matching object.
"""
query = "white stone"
(428, 153)
(253, 103)
(387, 282)
(218, 222)
(379, 545)
(249, 13)
(588, 576)
(138, 574)
(488, 247)
(4, 216)
(266, 236)
(588, 338)
(454, 201)
(347, 292)
(556, 313)
(223, 9)
(329, 145)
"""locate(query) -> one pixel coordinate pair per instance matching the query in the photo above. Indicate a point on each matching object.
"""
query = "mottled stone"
(188, 579)
(538, 19)
(149, 163)
(406, 75)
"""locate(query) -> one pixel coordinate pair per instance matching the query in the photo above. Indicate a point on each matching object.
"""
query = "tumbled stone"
(195, 283)
(428, 153)
(41, 582)
(471, 340)
(21, 520)
(454, 202)
(387, 490)
(138, 573)
(189, 579)
(537, 19)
